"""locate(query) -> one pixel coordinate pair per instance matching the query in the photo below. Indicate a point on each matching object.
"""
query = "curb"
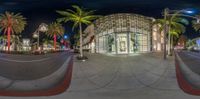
(62, 87)
(183, 83)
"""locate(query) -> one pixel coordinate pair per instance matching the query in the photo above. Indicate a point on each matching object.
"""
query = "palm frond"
(79, 11)
(75, 25)
(176, 24)
(179, 27)
(196, 25)
(181, 20)
(55, 28)
(18, 22)
(78, 15)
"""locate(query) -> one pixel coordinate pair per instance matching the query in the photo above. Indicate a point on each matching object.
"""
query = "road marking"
(19, 61)
(193, 55)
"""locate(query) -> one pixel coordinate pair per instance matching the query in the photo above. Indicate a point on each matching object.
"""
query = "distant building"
(26, 46)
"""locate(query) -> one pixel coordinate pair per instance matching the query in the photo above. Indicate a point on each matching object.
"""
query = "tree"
(175, 25)
(12, 23)
(196, 24)
(55, 29)
(15, 39)
(78, 16)
(76, 38)
(175, 34)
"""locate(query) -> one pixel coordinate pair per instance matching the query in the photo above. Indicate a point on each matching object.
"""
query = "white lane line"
(20, 61)
(193, 55)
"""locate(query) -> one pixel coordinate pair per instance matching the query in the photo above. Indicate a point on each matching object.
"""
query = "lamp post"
(65, 37)
(173, 13)
(42, 28)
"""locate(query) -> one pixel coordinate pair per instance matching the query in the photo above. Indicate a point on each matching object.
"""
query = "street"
(187, 70)
(29, 73)
(24, 67)
(191, 59)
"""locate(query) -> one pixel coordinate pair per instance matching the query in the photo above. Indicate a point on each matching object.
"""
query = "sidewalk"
(145, 76)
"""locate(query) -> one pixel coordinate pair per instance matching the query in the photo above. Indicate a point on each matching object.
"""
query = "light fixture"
(65, 36)
(189, 11)
(35, 35)
(43, 27)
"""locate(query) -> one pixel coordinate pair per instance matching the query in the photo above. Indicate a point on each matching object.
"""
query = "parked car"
(38, 52)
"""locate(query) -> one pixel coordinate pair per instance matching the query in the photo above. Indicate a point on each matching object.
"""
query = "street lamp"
(65, 37)
(42, 28)
(174, 13)
(35, 35)
(189, 11)
(65, 40)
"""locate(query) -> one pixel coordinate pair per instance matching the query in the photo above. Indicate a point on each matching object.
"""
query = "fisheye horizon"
(99, 49)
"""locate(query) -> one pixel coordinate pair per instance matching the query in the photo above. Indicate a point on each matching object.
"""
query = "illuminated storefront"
(123, 33)
(26, 44)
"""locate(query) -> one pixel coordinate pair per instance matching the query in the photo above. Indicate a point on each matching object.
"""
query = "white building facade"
(123, 33)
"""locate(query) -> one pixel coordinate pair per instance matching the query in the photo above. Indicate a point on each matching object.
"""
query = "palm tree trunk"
(8, 38)
(172, 44)
(81, 40)
(54, 36)
(169, 42)
(15, 42)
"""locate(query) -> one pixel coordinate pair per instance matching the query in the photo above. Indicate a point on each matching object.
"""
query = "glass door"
(122, 43)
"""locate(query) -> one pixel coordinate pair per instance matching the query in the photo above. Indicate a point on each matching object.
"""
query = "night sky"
(38, 11)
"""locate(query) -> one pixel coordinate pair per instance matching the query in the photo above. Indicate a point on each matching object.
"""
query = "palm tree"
(76, 38)
(79, 16)
(196, 24)
(15, 39)
(175, 27)
(12, 23)
(2, 37)
(175, 34)
(55, 29)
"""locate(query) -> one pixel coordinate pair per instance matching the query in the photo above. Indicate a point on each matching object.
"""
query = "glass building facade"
(123, 33)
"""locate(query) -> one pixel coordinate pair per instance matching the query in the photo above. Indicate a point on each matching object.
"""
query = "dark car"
(38, 52)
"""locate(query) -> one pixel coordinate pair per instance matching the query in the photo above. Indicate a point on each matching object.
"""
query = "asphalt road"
(191, 59)
(30, 67)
